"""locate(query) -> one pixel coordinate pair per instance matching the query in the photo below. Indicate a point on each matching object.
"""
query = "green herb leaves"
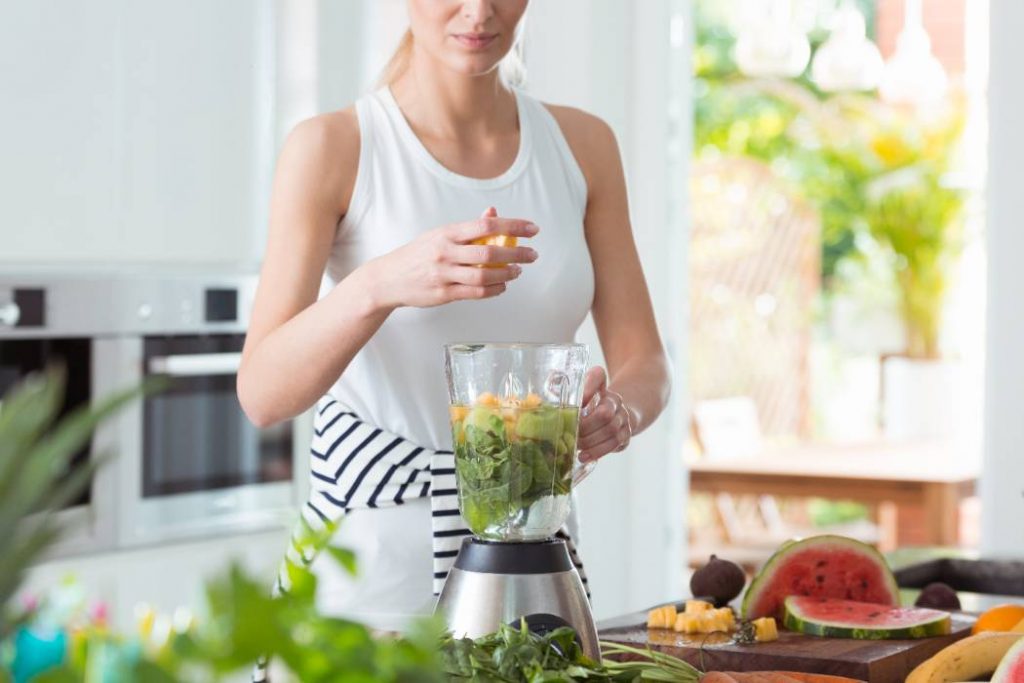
(506, 461)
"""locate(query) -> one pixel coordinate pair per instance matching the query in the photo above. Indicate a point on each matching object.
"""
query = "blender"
(514, 412)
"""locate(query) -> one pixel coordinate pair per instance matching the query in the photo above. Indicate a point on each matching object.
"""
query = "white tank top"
(397, 380)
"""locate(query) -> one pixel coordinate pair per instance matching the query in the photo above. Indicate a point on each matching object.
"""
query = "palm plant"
(36, 476)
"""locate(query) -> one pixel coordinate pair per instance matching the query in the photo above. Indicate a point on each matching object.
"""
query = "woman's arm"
(291, 334)
(638, 369)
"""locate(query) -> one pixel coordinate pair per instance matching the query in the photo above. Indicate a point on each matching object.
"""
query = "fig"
(938, 596)
(720, 580)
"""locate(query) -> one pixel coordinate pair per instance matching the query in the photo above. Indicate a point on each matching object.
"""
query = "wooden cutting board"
(876, 661)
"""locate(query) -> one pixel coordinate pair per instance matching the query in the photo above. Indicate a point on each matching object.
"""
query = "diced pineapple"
(532, 401)
(458, 413)
(765, 630)
(689, 623)
(698, 606)
(662, 617)
(710, 622)
(725, 618)
(488, 399)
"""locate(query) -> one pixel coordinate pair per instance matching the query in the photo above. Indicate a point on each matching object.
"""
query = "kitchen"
(140, 142)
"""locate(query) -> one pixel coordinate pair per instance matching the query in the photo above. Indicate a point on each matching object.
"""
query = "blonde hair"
(512, 69)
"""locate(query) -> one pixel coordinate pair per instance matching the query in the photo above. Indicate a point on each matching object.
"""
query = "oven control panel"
(64, 304)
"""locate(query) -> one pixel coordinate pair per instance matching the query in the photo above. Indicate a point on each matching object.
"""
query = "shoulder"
(591, 140)
(324, 149)
(325, 137)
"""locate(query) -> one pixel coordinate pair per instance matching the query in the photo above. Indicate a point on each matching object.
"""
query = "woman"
(384, 200)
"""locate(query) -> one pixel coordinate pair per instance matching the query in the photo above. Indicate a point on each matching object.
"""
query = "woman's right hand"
(443, 265)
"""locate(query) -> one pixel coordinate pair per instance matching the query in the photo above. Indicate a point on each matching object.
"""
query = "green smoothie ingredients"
(509, 456)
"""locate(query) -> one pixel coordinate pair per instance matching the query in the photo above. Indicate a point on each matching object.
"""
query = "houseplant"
(915, 214)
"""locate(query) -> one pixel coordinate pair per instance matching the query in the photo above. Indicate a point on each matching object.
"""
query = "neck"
(450, 105)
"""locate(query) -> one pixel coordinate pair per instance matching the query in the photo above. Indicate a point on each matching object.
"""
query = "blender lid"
(530, 557)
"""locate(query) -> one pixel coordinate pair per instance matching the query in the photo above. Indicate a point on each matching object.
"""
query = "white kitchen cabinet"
(134, 131)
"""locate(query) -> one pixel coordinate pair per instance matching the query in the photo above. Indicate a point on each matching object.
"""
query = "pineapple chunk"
(725, 618)
(662, 617)
(488, 399)
(689, 623)
(765, 630)
(698, 606)
(715, 620)
(533, 401)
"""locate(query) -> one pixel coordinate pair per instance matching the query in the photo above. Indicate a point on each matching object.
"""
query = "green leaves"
(502, 474)
(517, 655)
(36, 478)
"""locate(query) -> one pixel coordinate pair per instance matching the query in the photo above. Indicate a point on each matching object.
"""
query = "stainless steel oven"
(188, 462)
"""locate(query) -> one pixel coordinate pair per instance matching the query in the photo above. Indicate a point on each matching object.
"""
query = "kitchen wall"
(147, 132)
(134, 131)
(1003, 475)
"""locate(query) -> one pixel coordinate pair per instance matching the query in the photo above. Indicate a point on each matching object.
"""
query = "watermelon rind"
(762, 582)
(928, 622)
(1011, 666)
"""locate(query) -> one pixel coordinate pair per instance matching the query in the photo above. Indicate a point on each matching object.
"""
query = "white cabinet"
(134, 131)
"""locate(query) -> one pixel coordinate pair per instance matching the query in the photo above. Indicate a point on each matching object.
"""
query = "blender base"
(494, 583)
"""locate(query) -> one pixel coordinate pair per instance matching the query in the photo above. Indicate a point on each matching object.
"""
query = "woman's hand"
(606, 425)
(443, 265)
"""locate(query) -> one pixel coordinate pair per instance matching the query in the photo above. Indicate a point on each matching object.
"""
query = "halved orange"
(496, 241)
(999, 618)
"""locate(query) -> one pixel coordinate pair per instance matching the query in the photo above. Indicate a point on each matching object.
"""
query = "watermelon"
(1011, 667)
(848, 619)
(820, 567)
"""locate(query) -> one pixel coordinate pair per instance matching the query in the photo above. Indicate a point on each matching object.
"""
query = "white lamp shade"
(847, 60)
(913, 75)
(768, 52)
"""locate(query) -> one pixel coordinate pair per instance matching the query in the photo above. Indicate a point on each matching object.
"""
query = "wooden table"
(929, 475)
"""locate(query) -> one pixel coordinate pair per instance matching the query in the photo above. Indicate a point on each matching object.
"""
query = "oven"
(187, 462)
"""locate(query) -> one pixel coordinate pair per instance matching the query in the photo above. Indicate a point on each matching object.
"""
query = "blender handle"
(581, 472)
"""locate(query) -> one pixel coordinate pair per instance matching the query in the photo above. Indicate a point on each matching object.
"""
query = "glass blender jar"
(515, 410)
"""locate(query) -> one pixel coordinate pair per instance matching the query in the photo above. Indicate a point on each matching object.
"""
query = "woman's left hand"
(605, 423)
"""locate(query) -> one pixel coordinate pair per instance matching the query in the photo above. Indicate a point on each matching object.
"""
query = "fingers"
(595, 381)
(456, 291)
(603, 424)
(479, 254)
(477, 277)
(608, 439)
(605, 427)
(487, 226)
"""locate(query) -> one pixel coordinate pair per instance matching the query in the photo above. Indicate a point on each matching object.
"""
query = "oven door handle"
(196, 364)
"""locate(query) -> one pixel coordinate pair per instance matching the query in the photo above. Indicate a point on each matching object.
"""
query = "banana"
(965, 660)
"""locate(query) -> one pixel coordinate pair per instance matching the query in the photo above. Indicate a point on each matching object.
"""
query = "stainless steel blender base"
(476, 601)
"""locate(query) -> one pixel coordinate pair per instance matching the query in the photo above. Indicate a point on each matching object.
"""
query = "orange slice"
(496, 241)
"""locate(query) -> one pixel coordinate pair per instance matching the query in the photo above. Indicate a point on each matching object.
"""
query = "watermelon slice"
(820, 567)
(848, 619)
(1011, 667)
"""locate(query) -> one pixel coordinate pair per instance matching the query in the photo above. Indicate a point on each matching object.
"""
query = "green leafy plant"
(36, 474)
(518, 655)
(913, 211)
